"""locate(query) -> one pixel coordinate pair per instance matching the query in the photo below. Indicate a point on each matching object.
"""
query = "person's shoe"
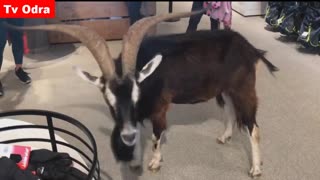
(23, 76)
(1, 89)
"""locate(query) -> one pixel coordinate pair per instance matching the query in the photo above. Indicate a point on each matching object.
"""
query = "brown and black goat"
(151, 73)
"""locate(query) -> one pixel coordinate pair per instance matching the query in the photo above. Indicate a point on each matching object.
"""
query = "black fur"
(121, 151)
(124, 110)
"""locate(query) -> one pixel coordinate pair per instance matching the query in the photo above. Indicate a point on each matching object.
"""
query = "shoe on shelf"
(23, 76)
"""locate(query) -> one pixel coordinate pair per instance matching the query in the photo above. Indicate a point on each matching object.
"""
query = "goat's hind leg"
(225, 101)
(256, 156)
(246, 107)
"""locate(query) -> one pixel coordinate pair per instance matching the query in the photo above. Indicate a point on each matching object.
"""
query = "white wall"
(250, 8)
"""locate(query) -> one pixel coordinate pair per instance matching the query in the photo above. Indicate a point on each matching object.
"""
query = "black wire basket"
(92, 166)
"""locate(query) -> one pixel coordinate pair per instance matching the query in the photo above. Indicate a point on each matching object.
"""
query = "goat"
(153, 72)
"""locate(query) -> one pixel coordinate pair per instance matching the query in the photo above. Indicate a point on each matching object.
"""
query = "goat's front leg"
(159, 125)
(154, 164)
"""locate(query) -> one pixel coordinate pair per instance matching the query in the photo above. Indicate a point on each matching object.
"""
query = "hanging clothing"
(221, 11)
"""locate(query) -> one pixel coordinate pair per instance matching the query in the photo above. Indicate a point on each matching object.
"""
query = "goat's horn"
(135, 35)
(94, 42)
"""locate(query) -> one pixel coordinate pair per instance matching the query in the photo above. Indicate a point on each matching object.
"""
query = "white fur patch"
(256, 156)
(156, 159)
(110, 96)
(230, 120)
(135, 92)
(149, 68)
(157, 156)
(81, 73)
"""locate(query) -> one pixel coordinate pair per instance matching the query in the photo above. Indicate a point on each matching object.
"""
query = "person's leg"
(18, 50)
(3, 40)
(214, 24)
(17, 41)
(195, 19)
(1, 89)
(134, 11)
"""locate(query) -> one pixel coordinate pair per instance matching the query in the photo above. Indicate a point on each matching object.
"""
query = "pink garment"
(221, 10)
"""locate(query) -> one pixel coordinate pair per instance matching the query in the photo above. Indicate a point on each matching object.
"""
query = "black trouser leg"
(3, 40)
(134, 11)
(195, 19)
(17, 40)
(214, 24)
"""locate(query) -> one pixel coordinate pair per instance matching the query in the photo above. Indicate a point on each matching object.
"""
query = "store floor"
(288, 112)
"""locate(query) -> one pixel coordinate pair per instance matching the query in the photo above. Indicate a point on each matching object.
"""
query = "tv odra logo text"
(26, 9)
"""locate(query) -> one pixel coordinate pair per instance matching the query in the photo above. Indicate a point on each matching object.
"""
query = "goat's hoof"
(255, 172)
(154, 165)
(223, 140)
(154, 169)
(135, 164)
(135, 167)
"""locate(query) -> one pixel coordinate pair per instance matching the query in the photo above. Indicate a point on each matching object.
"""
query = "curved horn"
(135, 34)
(94, 42)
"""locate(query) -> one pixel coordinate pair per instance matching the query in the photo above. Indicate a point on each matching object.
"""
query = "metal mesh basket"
(92, 166)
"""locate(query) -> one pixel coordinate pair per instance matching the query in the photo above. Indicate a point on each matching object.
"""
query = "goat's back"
(196, 46)
(196, 66)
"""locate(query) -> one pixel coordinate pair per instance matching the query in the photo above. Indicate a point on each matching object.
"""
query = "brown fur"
(200, 66)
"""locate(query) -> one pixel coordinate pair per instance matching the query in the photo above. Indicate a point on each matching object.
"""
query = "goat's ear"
(149, 68)
(88, 77)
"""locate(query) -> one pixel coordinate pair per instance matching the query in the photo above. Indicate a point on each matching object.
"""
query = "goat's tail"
(272, 68)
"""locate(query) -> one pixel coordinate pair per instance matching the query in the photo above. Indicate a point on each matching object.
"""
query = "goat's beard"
(121, 151)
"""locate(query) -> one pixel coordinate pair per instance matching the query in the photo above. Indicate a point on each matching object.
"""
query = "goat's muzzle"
(129, 134)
